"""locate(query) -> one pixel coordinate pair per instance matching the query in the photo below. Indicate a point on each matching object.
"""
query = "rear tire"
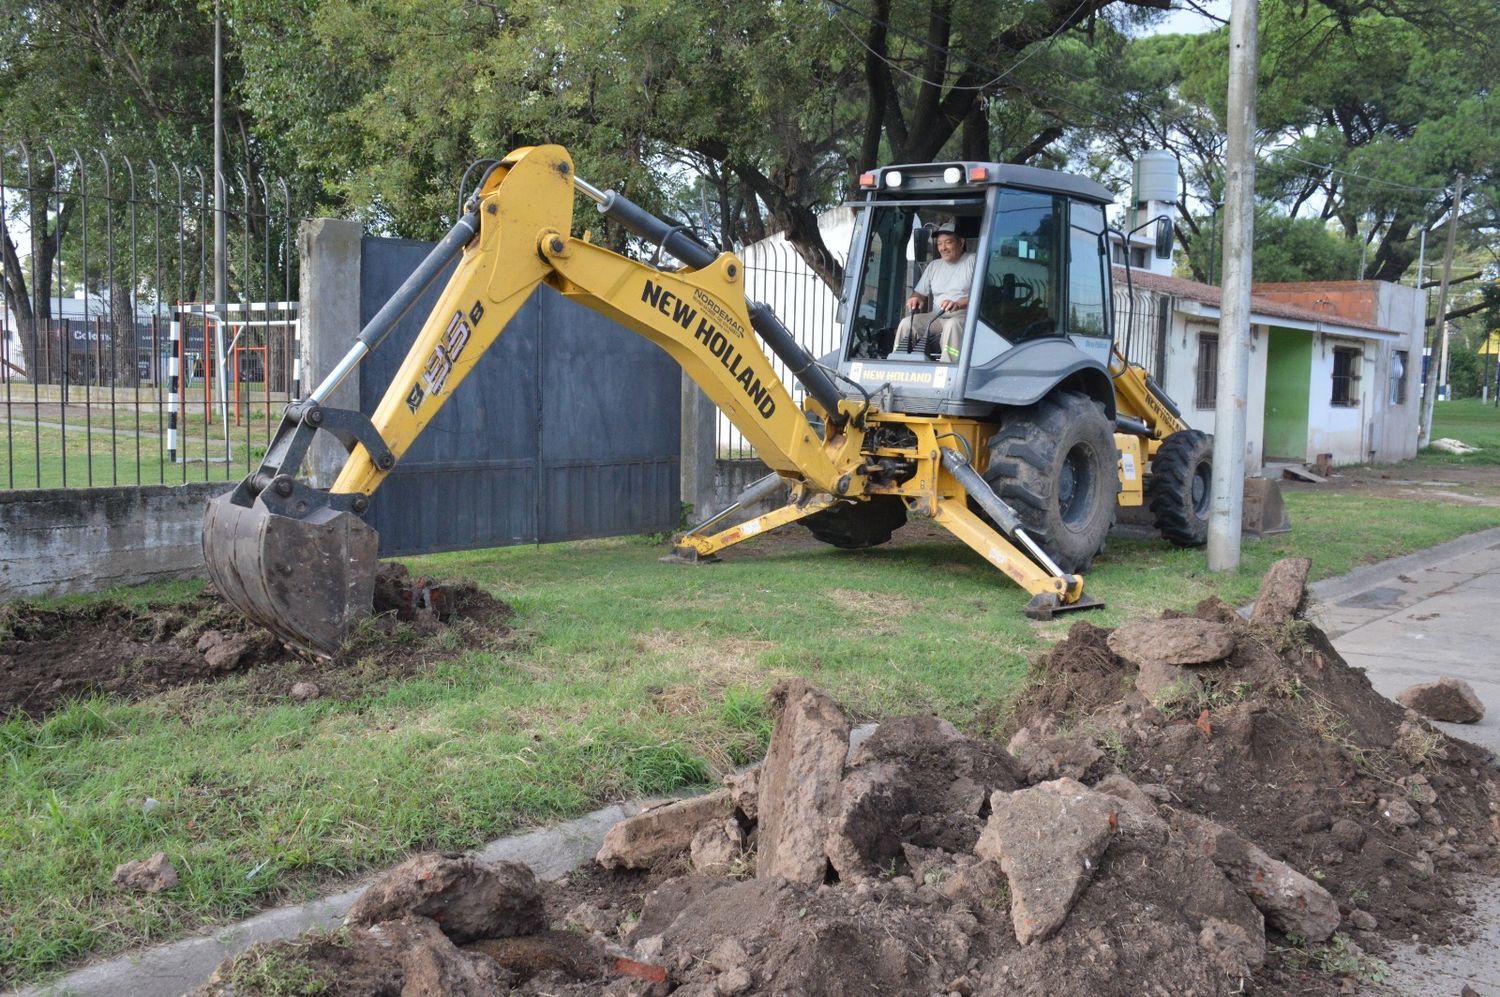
(856, 525)
(1056, 464)
(1179, 487)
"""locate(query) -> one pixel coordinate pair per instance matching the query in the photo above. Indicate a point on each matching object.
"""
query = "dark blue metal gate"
(568, 428)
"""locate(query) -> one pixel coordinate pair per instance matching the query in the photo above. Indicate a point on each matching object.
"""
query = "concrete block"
(330, 250)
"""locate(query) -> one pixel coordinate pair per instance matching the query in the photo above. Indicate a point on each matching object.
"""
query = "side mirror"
(1163, 237)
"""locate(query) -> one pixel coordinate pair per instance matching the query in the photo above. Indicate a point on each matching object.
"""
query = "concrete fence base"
(64, 540)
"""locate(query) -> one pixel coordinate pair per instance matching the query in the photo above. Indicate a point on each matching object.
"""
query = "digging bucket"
(307, 580)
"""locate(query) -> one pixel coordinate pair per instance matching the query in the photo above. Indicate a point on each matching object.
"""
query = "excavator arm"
(700, 317)
(301, 562)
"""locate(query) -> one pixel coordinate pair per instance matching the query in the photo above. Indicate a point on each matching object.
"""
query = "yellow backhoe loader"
(1020, 431)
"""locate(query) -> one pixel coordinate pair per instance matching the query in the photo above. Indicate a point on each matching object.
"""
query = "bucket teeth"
(308, 581)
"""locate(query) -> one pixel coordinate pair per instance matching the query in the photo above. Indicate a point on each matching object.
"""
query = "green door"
(1288, 384)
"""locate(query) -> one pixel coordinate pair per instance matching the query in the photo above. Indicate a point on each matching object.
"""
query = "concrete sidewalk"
(1416, 618)
(1410, 620)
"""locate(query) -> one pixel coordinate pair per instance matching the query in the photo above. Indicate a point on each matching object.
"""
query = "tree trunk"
(124, 351)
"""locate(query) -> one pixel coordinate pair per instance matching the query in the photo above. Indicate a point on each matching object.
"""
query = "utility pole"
(221, 245)
(1234, 312)
(1439, 336)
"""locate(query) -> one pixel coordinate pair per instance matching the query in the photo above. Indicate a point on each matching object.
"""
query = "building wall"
(1340, 430)
(1386, 430)
(1404, 309)
(1350, 299)
(1181, 381)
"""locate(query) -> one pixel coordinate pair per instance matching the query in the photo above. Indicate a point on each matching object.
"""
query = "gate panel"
(568, 428)
(611, 431)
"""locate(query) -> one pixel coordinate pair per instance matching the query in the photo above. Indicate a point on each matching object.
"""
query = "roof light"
(953, 175)
(893, 178)
(978, 174)
(867, 179)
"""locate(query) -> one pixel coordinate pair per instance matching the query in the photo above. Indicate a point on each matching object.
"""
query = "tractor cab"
(1036, 311)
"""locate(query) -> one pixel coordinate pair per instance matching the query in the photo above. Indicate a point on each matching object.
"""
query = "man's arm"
(918, 299)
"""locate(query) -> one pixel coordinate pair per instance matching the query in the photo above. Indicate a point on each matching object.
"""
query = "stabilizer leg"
(695, 549)
(1053, 590)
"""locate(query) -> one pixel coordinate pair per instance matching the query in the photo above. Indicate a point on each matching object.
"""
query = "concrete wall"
(732, 477)
(65, 540)
(1340, 430)
(1405, 310)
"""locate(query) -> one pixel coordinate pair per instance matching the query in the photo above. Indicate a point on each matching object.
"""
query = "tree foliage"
(1367, 112)
(751, 117)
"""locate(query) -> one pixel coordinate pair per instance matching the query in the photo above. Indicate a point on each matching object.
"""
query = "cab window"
(1019, 300)
(1086, 302)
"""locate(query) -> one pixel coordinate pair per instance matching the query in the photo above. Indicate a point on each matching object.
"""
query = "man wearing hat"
(940, 301)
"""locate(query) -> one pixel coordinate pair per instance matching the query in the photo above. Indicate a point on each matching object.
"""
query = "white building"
(1334, 366)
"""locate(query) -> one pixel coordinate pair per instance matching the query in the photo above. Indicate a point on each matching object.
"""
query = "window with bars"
(1398, 377)
(1345, 376)
(1208, 369)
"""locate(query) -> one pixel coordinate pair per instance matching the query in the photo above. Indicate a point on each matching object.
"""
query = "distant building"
(1334, 365)
(79, 338)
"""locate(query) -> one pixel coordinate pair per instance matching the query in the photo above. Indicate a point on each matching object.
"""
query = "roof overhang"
(1198, 309)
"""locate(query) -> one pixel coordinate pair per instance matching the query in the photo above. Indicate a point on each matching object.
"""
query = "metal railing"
(1142, 321)
(113, 369)
(776, 275)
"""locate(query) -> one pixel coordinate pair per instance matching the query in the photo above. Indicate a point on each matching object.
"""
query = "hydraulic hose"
(676, 240)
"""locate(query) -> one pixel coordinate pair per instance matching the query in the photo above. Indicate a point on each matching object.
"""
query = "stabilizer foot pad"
(1047, 605)
(687, 555)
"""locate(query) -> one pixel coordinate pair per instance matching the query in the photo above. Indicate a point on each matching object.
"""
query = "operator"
(940, 302)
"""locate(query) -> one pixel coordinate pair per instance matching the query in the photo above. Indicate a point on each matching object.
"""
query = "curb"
(177, 967)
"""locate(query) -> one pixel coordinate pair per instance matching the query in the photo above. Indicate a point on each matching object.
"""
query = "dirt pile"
(1259, 820)
(50, 655)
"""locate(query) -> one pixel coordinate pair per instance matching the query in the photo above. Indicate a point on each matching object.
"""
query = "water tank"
(1156, 177)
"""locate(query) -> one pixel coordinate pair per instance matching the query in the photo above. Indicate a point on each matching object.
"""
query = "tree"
(132, 81)
(775, 105)
(1286, 249)
(1368, 111)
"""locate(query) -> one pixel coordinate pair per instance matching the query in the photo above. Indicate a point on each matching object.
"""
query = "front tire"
(1179, 489)
(856, 525)
(1056, 464)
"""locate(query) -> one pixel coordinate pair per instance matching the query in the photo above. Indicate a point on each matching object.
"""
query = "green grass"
(631, 677)
(1468, 420)
(123, 447)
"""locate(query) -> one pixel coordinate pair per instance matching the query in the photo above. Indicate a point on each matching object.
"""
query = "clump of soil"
(1296, 751)
(51, 655)
(1259, 822)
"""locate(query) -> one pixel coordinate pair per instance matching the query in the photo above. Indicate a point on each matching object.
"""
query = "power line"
(1283, 154)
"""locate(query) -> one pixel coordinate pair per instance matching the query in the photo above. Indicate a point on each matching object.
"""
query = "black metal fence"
(1142, 320)
(115, 366)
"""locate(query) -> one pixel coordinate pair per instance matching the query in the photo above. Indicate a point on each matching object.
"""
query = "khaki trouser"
(946, 332)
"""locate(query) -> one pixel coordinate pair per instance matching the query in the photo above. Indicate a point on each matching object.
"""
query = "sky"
(1184, 20)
